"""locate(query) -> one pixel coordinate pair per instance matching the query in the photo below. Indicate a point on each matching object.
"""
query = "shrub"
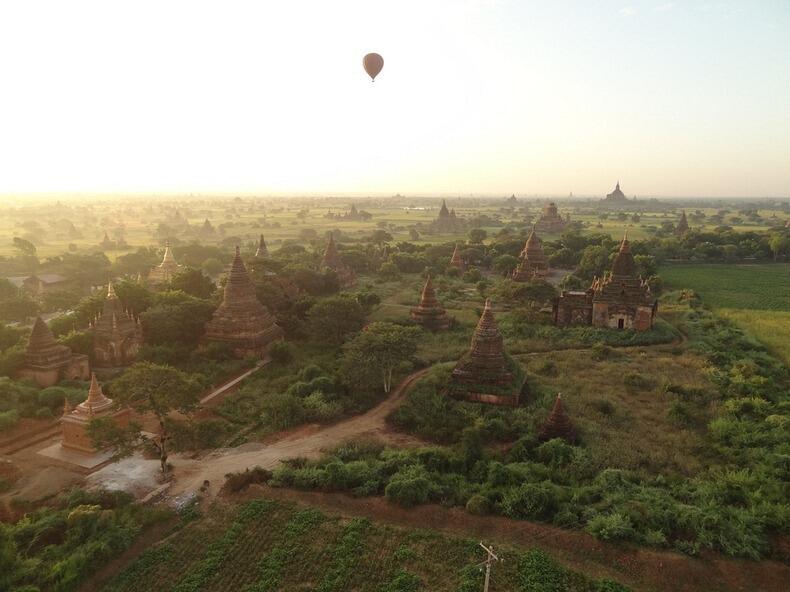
(235, 482)
(281, 352)
(637, 381)
(611, 527)
(530, 500)
(478, 505)
(409, 487)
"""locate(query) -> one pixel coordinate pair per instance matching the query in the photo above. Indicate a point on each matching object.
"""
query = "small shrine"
(47, 362)
(557, 424)
(262, 251)
(430, 313)
(74, 423)
(486, 373)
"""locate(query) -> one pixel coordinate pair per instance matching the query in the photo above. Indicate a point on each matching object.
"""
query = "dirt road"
(307, 442)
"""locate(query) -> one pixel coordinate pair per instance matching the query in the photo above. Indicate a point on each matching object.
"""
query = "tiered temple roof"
(446, 221)
(47, 362)
(117, 335)
(165, 271)
(262, 251)
(486, 373)
(430, 313)
(331, 260)
(557, 424)
(241, 320)
(532, 261)
(456, 260)
(623, 284)
(43, 352)
(617, 194)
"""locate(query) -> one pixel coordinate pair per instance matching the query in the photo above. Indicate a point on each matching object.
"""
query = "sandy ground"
(309, 442)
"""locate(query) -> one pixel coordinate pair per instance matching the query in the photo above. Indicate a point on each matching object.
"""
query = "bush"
(409, 487)
(281, 352)
(478, 505)
(530, 501)
(235, 482)
(611, 527)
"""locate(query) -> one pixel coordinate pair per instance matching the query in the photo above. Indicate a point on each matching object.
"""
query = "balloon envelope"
(373, 64)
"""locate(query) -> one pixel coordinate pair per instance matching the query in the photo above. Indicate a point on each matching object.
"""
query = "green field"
(756, 297)
(266, 545)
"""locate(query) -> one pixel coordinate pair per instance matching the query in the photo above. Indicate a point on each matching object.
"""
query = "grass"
(755, 297)
(272, 545)
(622, 409)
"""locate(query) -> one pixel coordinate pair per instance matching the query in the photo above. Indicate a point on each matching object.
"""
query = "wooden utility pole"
(491, 557)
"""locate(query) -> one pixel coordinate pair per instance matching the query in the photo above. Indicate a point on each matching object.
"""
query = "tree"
(330, 320)
(379, 237)
(193, 282)
(212, 266)
(146, 388)
(178, 318)
(376, 352)
(504, 264)
(18, 308)
(24, 247)
(779, 245)
(477, 236)
(413, 234)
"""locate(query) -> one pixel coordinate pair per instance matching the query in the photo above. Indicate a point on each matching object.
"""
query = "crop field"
(266, 545)
(755, 297)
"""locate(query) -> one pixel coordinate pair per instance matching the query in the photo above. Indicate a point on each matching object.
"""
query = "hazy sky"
(486, 97)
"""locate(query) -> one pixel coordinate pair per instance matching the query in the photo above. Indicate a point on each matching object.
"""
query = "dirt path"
(641, 568)
(308, 442)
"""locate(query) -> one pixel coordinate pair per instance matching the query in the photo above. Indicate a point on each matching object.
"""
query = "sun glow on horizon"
(475, 97)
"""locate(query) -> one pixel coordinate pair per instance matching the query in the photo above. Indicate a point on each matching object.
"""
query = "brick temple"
(430, 313)
(457, 261)
(74, 423)
(164, 272)
(486, 374)
(550, 219)
(117, 335)
(241, 320)
(47, 362)
(262, 251)
(332, 261)
(446, 221)
(532, 260)
(619, 300)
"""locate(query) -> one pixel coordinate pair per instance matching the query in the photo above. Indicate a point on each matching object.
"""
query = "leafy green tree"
(780, 245)
(379, 237)
(377, 352)
(331, 319)
(193, 282)
(24, 247)
(179, 318)
(477, 236)
(18, 308)
(594, 260)
(146, 388)
(504, 264)
(135, 297)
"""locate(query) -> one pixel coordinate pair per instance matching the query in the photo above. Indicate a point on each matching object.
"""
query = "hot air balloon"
(373, 63)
